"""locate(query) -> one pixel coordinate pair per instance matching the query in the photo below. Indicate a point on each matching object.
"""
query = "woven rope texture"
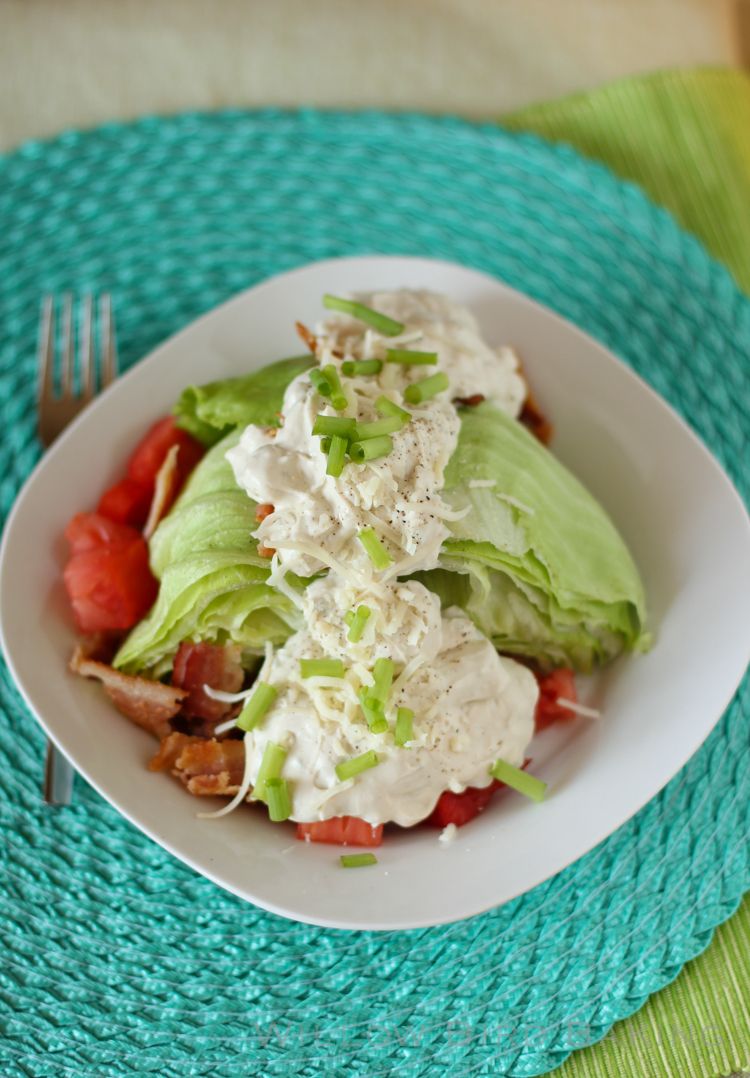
(119, 960)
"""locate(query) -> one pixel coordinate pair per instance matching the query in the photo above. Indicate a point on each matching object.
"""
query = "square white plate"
(676, 508)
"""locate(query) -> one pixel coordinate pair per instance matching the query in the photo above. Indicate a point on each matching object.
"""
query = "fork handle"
(58, 777)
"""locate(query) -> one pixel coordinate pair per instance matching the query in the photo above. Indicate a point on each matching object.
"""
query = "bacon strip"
(149, 704)
(207, 767)
(217, 665)
(262, 511)
(472, 401)
(165, 491)
(535, 421)
(307, 336)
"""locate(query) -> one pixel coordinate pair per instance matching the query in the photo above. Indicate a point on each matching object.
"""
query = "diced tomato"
(341, 831)
(460, 808)
(149, 454)
(110, 586)
(559, 683)
(196, 665)
(90, 531)
(127, 502)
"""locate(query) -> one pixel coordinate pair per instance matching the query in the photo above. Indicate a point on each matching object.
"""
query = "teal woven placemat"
(117, 959)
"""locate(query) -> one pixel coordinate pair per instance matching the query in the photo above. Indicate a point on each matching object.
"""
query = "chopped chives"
(427, 388)
(389, 327)
(257, 706)
(325, 444)
(357, 860)
(374, 549)
(320, 382)
(278, 799)
(372, 709)
(386, 407)
(321, 668)
(405, 355)
(352, 367)
(388, 425)
(338, 397)
(371, 448)
(357, 620)
(270, 768)
(347, 769)
(382, 672)
(519, 780)
(336, 456)
(334, 425)
(404, 730)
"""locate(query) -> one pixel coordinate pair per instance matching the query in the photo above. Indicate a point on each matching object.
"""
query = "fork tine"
(88, 386)
(107, 338)
(66, 373)
(45, 351)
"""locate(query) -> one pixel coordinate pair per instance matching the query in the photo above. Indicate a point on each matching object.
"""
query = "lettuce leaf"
(211, 411)
(537, 564)
(213, 584)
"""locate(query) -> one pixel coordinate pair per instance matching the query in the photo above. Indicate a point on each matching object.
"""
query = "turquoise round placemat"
(119, 960)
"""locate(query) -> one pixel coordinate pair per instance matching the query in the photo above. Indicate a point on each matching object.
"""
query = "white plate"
(677, 510)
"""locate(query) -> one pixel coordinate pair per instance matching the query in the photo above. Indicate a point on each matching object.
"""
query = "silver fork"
(55, 411)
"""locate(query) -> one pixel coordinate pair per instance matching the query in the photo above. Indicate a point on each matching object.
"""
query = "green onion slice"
(321, 668)
(382, 672)
(338, 397)
(320, 382)
(325, 444)
(371, 448)
(357, 620)
(334, 425)
(278, 799)
(405, 355)
(336, 456)
(257, 706)
(404, 730)
(372, 709)
(519, 780)
(352, 367)
(418, 392)
(389, 327)
(388, 425)
(374, 549)
(347, 769)
(386, 407)
(357, 860)
(270, 768)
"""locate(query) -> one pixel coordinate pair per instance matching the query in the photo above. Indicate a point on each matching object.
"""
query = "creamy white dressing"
(470, 705)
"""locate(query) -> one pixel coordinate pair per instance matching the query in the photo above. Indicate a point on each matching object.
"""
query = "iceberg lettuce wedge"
(537, 563)
(213, 584)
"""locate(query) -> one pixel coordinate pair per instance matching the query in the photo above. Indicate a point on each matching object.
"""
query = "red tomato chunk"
(460, 808)
(558, 684)
(151, 451)
(341, 831)
(127, 502)
(110, 586)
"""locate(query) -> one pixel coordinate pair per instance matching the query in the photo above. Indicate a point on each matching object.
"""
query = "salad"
(350, 586)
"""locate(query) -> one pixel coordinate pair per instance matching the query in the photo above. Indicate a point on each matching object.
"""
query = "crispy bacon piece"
(307, 336)
(472, 401)
(262, 511)
(217, 665)
(266, 551)
(207, 767)
(149, 704)
(534, 420)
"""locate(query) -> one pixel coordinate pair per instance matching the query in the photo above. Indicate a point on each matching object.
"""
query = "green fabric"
(684, 136)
